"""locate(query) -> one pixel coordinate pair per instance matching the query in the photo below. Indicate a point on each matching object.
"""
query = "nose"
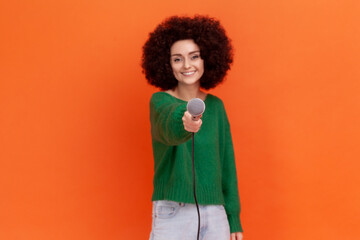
(186, 64)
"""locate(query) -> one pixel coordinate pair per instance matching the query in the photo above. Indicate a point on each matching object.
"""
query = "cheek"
(175, 69)
(201, 67)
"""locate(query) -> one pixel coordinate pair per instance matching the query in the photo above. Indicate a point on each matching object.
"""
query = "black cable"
(193, 165)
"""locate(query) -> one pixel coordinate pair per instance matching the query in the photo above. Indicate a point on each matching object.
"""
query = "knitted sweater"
(215, 170)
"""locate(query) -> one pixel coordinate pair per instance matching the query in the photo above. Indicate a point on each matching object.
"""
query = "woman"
(182, 56)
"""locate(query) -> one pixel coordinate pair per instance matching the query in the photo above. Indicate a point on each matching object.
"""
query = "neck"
(187, 92)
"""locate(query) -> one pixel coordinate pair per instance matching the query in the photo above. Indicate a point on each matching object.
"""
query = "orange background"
(75, 148)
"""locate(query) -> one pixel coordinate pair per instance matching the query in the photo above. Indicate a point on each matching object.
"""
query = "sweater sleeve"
(166, 120)
(229, 180)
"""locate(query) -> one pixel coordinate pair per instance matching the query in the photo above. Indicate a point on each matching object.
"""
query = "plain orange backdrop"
(75, 147)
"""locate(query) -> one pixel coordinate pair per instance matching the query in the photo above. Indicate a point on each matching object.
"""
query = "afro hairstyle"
(207, 33)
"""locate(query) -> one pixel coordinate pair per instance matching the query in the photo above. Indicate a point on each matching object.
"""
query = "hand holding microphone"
(192, 117)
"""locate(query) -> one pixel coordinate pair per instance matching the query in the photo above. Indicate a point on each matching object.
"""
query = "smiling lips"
(188, 73)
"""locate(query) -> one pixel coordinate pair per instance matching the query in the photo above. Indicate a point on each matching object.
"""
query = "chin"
(190, 81)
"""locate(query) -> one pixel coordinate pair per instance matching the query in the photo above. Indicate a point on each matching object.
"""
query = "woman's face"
(186, 63)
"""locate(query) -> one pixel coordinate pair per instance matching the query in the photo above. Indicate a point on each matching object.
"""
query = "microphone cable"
(195, 107)
(193, 166)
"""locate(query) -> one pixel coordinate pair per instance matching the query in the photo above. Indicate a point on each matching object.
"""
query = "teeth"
(188, 73)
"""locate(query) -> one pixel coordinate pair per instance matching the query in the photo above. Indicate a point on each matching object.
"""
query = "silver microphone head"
(196, 107)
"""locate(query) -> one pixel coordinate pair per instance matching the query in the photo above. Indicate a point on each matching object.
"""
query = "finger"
(190, 125)
(195, 118)
(187, 115)
(196, 125)
(190, 128)
(193, 124)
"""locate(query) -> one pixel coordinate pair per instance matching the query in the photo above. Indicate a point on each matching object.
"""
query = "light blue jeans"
(179, 221)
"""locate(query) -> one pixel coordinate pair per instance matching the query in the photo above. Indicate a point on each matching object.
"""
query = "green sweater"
(215, 170)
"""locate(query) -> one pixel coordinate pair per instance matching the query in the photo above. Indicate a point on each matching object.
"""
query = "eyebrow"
(178, 54)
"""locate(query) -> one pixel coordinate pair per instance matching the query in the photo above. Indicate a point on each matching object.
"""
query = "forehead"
(184, 47)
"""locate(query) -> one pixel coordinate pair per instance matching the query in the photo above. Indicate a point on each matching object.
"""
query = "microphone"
(195, 107)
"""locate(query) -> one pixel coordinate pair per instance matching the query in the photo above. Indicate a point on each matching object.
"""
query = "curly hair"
(207, 33)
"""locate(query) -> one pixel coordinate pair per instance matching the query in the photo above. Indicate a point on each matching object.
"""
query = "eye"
(176, 59)
(195, 57)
